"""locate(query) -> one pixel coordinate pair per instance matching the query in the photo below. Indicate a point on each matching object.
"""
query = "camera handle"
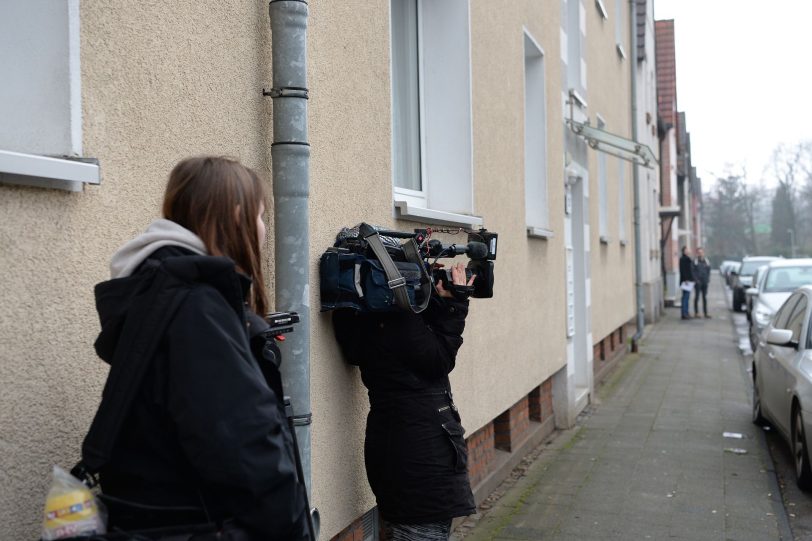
(312, 514)
(396, 281)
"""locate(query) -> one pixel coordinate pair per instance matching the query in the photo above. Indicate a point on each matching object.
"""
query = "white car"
(773, 285)
(782, 378)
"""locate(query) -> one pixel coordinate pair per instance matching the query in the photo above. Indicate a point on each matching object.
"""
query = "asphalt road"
(797, 503)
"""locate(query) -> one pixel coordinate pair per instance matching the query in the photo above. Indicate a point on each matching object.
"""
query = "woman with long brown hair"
(206, 439)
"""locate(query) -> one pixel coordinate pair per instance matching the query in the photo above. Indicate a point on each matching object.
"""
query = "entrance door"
(578, 364)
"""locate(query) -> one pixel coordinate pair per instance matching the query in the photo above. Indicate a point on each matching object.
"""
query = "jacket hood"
(160, 233)
(117, 299)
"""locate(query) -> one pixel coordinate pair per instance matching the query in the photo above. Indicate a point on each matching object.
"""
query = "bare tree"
(792, 203)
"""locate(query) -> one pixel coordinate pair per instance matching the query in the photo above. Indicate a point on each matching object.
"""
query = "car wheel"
(800, 452)
(758, 417)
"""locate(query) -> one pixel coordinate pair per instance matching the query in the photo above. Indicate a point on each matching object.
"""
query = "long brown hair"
(218, 199)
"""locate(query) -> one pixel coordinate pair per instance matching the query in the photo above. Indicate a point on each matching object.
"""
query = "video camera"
(371, 269)
(480, 248)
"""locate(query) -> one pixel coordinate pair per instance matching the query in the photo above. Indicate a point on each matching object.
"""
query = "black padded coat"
(415, 454)
(208, 428)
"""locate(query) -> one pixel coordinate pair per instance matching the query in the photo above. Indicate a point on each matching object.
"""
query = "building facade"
(452, 114)
(648, 177)
(668, 126)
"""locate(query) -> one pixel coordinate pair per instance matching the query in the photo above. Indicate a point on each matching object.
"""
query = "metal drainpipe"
(291, 189)
(638, 256)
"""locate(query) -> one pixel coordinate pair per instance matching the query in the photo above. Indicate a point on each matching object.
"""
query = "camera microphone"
(474, 249)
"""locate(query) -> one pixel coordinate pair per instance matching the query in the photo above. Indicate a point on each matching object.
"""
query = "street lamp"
(791, 242)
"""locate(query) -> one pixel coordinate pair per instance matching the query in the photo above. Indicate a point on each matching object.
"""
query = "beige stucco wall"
(349, 109)
(609, 91)
(513, 341)
(160, 81)
(165, 80)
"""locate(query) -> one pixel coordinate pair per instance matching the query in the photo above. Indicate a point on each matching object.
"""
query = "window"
(431, 109)
(796, 320)
(621, 204)
(781, 318)
(535, 140)
(603, 195)
(786, 279)
(620, 28)
(40, 97)
(575, 73)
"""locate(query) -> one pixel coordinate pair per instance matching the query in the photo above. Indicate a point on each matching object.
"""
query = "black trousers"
(701, 289)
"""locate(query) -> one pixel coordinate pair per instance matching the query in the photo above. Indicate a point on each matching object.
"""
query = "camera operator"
(415, 454)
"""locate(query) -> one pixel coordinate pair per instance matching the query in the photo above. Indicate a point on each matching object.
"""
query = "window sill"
(621, 52)
(409, 212)
(69, 174)
(605, 239)
(539, 232)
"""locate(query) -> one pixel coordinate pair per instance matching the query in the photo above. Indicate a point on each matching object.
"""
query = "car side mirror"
(780, 337)
(751, 292)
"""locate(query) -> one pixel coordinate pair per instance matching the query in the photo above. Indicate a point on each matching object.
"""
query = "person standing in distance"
(415, 455)
(686, 280)
(701, 271)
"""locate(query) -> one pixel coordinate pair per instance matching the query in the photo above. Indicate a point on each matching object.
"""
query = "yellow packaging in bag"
(70, 509)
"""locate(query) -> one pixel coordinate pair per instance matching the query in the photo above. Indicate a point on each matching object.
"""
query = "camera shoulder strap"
(397, 283)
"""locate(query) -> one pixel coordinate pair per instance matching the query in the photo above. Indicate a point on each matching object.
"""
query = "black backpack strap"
(397, 283)
(143, 330)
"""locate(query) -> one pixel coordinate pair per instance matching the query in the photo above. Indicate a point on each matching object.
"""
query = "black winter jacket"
(701, 271)
(415, 454)
(208, 428)
(686, 269)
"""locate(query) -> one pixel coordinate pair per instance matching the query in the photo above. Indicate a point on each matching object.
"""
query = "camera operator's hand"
(457, 277)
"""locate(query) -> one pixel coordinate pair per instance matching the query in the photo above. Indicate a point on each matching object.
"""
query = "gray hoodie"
(160, 233)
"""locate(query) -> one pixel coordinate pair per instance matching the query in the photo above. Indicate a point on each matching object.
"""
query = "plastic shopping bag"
(71, 509)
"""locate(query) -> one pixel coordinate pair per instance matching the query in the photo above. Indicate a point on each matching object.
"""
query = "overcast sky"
(744, 79)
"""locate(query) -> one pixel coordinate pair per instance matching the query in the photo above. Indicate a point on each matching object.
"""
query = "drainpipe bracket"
(287, 92)
(303, 420)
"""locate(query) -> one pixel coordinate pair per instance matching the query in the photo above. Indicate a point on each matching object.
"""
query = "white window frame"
(621, 188)
(442, 198)
(603, 191)
(537, 208)
(576, 66)
(63, 168)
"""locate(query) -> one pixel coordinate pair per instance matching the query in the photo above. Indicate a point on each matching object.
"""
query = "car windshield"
(785, 279)
(749, 267)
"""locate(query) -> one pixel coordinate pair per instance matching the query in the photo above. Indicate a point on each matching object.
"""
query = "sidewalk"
(649, 460)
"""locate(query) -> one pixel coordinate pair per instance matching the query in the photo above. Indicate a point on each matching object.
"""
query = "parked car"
(730, 269)
(772, 285)
(782, 379)
(750, 292)
(725, 266)
(743, 279)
